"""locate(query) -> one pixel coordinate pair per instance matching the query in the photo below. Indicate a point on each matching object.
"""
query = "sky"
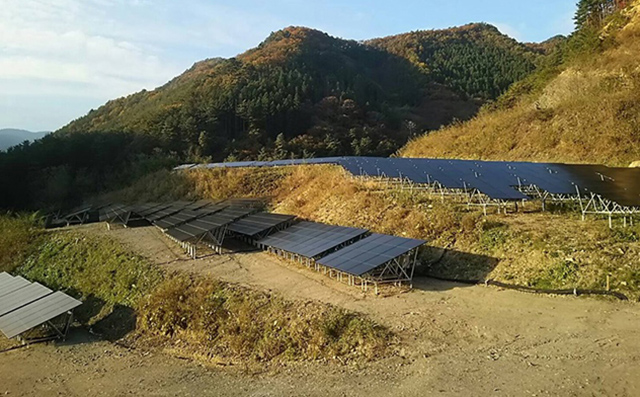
(61, 58)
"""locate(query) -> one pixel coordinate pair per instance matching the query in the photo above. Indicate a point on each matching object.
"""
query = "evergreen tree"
(594, 12)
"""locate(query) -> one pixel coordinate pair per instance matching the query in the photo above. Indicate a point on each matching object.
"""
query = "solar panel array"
(197, 228)
(256, 224)
(495, 179)
(117, 213)
(369, 253)
(190, 222)
(186, 215)
(25, 305)
(311, 239)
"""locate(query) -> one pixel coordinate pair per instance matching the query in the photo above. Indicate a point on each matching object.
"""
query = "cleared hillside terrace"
(551, 249)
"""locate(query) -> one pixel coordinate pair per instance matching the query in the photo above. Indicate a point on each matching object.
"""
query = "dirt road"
(455, 341)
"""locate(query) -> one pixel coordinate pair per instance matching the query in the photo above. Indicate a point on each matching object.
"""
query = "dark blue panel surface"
(369, 253)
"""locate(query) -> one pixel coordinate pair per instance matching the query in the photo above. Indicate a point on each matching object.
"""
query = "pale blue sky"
(60, 58)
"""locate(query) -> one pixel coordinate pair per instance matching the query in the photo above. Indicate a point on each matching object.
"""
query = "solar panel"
(183, 167)
(165, 212)
(199, 205)
(259, 223)
(310, 239)
(10, 285)
(369, 253)
(147, 210)
(495, 179)
(39, 312)
(185, 216)
(118, 213)
(245, 202)
(77, 213)
(196, 228)
(5, 276)
(22, 297)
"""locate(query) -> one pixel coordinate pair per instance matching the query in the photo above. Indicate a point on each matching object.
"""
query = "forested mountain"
(321, 95)
(475, 59)
(11, 137)
(299, 93)
(582, 105)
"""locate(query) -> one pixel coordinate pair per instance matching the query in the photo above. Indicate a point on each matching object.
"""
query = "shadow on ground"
(112, 322)
(442, 263)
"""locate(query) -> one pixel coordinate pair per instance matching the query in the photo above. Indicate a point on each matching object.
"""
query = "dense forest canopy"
(326, 96)
(476, 60)
(299, 93)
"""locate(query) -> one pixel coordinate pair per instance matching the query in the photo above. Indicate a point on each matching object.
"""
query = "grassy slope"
(203, 317)
(533, 248)
(588, 113)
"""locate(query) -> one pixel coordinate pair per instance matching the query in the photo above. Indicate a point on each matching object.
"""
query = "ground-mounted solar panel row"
(202, 226)
(597, 188)
(25, 306)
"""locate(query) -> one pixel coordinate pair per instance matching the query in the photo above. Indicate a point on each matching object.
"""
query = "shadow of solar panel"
(310, 239)
(39, 312)
(258, 223)
(22, 297)
(369, 253)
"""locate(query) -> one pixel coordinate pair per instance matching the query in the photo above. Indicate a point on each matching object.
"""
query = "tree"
(594, 12)
(280, 151)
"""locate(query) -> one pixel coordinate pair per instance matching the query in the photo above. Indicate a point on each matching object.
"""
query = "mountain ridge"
(13, 136)
(323, 94)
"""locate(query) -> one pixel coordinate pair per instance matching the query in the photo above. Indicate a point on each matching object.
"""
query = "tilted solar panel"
(5, 276)
(196, 228)
(495, 179)
(258, 223)
(310, 239)
(185, 216)
(369, 253)
(10, 285)
(42, 310)
(22, 297)
(171, 210)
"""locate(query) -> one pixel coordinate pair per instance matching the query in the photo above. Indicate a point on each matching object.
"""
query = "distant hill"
(302, 92)
(11, 137)
(582, 106)
(299, 93)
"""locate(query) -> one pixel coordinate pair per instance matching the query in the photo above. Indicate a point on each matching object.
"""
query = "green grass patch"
(90, 266)
(493, 236)
(17, 235)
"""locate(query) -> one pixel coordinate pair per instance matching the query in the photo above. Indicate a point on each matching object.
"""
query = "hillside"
(10, 137)
(583, 107)
(325, 95)
(474, 59)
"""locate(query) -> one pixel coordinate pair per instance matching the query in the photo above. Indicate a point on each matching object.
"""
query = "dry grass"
(213, 320)
(543, 249)
(589, 113)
